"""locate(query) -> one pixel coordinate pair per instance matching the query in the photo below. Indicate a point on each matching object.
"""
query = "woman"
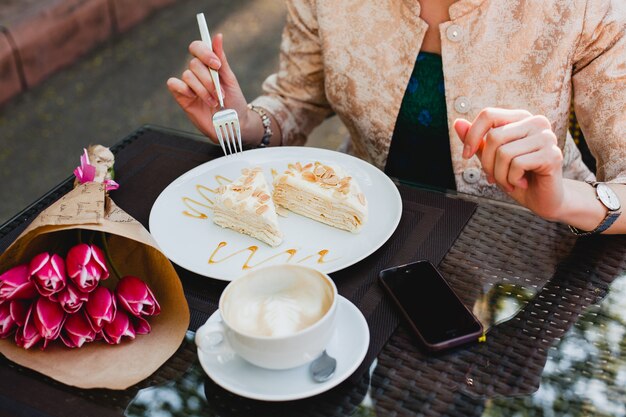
(508, 69)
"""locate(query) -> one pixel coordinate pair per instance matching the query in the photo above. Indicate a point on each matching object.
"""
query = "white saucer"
(349, 346)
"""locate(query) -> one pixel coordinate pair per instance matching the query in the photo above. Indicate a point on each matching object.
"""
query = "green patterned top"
(420, 147)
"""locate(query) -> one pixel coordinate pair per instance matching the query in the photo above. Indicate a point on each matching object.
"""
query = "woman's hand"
(195, 91)
(519, 152)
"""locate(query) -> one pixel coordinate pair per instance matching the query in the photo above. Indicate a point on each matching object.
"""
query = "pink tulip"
(110, 185)
(12, 315)
(7, 322)
(85, 172)
(19, 310)
(118, 328)
(135, 296)
(71, 298)
(28, 336)
(16, 285)
(77, 330)
(100, 307)
(48, 317)
(48, 273)
(86, 266)
(140, 325)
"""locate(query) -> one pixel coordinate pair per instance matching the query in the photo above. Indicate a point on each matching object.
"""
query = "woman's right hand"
(195, 91)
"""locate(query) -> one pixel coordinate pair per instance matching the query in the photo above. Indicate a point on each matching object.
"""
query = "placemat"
(150, 159)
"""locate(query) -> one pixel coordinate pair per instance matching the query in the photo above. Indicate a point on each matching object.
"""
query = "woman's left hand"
(519, 152)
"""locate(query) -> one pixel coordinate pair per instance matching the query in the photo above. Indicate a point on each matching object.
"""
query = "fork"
(225, 121)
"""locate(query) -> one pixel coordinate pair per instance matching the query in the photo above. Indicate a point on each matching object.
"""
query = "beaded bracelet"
(265, 119)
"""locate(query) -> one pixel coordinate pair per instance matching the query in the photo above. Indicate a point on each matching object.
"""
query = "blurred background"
(81, 72)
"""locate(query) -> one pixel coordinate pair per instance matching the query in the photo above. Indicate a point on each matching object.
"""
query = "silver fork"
(225, 121)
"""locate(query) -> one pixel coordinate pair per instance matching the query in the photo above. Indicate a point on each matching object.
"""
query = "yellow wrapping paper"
(134, 252)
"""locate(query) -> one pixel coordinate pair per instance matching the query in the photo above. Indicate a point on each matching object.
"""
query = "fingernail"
(215, 64)
(466, 151)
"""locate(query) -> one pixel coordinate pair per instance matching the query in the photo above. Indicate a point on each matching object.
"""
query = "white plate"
(348, 345)
(190, 242)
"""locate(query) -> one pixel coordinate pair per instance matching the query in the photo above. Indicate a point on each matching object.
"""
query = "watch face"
(608, 197)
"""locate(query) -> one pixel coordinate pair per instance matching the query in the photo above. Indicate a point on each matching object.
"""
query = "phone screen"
(432, 307)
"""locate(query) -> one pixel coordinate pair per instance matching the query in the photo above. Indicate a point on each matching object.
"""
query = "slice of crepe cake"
(322, 192)
(246, 206)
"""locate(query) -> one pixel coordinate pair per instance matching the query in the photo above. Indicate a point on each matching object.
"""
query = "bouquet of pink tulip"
(51, 298)
(57, 291)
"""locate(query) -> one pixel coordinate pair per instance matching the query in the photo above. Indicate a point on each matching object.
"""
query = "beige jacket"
(354, 58)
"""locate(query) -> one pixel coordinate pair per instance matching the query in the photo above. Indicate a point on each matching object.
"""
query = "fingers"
(227, 74)
(510, 144)
(178, 88)
(487, 119)
(215, 59)
(203, 75)
(197, 81)
(205, 58)
(202, 51)
(504, 158)
(541, 162)
(198, 87)
(493, 146)
(504, 143)
(462, 126)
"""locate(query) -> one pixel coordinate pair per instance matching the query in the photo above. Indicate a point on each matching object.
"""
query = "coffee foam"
(278, 303)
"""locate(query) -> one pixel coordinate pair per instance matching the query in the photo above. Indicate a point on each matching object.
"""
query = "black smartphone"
(433, 311)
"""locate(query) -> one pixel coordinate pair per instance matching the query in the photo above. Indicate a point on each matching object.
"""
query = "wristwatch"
(609, 198)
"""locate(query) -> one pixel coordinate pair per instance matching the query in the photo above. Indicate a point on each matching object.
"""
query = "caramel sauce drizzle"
(203, 190)
(198, 209)
(321, 255)
(252, 251)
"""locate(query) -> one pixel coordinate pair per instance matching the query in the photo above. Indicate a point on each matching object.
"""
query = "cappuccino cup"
(276, 317)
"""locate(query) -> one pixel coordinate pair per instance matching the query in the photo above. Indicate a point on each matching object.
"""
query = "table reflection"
(194, 394)
(585, 373)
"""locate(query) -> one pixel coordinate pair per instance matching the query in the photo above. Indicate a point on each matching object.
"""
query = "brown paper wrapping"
(134, 252)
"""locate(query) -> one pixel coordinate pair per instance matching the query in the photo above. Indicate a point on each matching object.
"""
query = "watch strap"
(607, 222)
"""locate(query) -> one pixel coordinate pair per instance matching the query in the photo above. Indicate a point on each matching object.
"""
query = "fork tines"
(226, 123)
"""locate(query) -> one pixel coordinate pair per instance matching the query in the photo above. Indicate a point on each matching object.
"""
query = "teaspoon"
(323, 368)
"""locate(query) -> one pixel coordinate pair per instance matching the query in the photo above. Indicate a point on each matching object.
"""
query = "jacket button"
(462, 104)
(471, 175)
(454, 33)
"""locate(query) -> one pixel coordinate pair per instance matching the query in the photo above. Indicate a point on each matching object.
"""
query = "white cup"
(277, 317)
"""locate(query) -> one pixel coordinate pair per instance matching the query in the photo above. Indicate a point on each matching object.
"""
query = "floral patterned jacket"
(354, 58)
